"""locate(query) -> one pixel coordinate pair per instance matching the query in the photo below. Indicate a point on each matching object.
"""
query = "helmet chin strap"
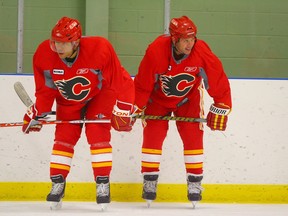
(74, 51)
(72, 57)
(176, 53)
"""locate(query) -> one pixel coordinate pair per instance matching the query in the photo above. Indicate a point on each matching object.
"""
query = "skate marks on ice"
(54, 206)
(149, 203)
(140, 209)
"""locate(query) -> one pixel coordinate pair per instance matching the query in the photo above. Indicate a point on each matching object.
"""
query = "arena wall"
(246, 163)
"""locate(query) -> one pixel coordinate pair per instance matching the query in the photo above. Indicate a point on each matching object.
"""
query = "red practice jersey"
(168, 82)
(95, 67)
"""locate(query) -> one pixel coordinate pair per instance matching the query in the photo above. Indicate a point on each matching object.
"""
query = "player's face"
(64, 49)
(185, 45)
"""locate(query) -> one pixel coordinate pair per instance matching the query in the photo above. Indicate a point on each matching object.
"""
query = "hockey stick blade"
(168, 118)
(22, 94)
(47, 122)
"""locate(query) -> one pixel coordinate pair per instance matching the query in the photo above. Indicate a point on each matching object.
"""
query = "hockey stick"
(47, 122)
(22, 94)
(25, 98)
(167, 118)
(149, 117)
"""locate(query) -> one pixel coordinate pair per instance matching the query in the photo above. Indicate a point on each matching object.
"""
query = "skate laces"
(57, 188)
(150, 186)
(194, 187)
(103, 189)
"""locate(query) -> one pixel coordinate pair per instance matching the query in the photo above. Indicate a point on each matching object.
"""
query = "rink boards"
(246, 163)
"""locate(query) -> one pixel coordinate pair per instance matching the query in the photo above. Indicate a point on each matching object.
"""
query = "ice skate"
(149, 188)
(57, 192)
(194, 189)
(103, 191)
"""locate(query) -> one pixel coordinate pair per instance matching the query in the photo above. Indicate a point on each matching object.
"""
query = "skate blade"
(55, 205)
(104, 206)
(149, 202)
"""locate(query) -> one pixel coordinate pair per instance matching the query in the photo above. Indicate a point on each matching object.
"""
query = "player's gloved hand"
(138, 111)
(30, 121)
(121, 116)
(218, 116)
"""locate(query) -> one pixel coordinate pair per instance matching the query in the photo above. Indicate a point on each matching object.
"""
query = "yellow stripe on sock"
(98, 151)
(58, 166)
(193, 152)
(102, 164)
(151, 151)
(194, 166)
(150, 165)
(62, 153)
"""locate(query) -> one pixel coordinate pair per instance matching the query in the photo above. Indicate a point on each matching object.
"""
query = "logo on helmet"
(73, 24)
(174, 22)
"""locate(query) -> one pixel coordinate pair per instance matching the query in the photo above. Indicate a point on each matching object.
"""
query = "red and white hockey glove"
(30, 123)
(121, 116)
(218, 116)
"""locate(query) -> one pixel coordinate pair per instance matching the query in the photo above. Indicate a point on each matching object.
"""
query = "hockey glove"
(30, 123)
(121, 116)
(138, 111)
(218, 116)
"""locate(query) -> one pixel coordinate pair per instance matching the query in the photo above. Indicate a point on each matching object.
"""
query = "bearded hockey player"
(83, 75)
(172, 76)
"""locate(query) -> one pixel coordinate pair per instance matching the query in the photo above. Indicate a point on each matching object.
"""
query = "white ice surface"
(140, 209)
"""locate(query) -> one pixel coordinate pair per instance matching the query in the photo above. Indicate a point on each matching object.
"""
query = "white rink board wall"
(253, 150)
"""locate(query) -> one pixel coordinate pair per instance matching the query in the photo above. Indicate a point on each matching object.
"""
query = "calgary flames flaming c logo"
(75, 89)
(178, 85)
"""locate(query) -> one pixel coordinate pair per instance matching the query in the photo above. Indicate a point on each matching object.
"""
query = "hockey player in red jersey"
(83, 75)
(171, 79)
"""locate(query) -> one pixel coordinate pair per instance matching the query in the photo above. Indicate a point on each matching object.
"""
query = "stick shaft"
(47, 122)
(168, 118)
(149, 117)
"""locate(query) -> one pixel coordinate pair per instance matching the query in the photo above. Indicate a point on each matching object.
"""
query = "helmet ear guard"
(182, 27)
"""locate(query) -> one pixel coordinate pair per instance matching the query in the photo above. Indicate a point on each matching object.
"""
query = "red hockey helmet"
(182, 27)
(66, 30)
